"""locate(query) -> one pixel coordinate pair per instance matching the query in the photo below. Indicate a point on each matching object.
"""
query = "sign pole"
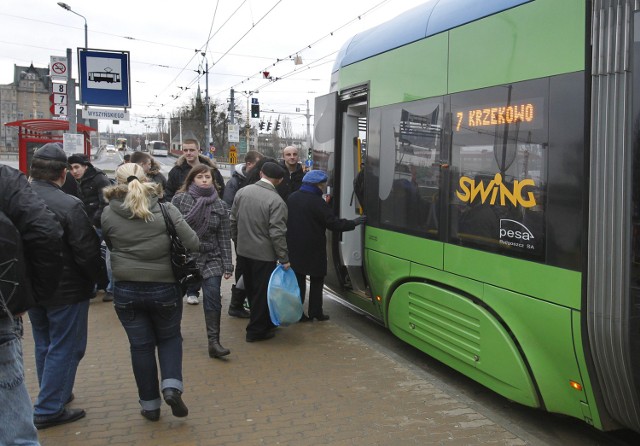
(71, 91)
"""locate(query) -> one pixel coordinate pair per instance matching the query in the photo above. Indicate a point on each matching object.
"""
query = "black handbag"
(185, 268)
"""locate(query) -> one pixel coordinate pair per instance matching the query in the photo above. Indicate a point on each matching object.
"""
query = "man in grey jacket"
(259, 231)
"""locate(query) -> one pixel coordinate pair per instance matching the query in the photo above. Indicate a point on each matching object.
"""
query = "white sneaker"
(192, 300)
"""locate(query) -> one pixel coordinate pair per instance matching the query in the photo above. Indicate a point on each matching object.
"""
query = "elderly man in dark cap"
(59, 324)
(259, 231)
(309, 218)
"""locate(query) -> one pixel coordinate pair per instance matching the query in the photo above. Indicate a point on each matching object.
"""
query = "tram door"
(340, 147)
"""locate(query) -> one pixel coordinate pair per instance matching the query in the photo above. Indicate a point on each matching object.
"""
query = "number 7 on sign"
(60, 99)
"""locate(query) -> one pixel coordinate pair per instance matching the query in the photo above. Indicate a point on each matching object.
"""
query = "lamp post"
(71, 83)
(68, 8)
(206, 101)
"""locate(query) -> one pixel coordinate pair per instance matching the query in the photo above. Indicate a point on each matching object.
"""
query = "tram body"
(500, 147)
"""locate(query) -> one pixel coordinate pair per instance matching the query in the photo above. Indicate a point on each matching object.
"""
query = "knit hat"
(79, 158)
(51, 151)
(272, 170)
(315, 177)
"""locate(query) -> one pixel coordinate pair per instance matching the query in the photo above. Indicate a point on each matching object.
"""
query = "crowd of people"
(271, 210)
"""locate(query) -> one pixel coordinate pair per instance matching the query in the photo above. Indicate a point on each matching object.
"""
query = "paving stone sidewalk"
(313, 384)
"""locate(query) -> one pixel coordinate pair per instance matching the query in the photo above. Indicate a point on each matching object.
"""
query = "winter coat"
(140, 249)
(80, 249)
(291, 181)
(90, 189)
(309, 219)
(259, 223)
(179, 172)
(156, 176)
(237, 181)
(214, 258)
(41, 236)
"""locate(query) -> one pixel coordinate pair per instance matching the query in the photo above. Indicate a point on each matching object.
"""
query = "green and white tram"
(500, 145)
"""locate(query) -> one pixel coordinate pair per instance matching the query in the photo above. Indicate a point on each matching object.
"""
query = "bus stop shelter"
(34, 133)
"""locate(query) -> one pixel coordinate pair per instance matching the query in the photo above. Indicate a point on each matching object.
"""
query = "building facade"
(27, 97)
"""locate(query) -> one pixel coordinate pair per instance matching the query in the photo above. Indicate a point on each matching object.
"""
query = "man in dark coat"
(59, 324)
(309, 218)
(294, 172)
(31, 259)
(151, 168)
(91, 181)
(190, 158)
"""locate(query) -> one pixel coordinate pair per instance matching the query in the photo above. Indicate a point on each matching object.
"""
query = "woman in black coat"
(309, 218)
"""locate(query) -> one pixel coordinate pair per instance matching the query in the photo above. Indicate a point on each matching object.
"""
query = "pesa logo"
(513, 233)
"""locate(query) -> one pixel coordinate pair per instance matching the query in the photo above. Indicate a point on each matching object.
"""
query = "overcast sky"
(245, 38)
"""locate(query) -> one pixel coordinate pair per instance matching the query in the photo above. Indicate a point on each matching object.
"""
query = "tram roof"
(425, 20)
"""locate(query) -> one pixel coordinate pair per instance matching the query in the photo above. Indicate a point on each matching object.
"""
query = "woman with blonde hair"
(147, 299)
(208, 215)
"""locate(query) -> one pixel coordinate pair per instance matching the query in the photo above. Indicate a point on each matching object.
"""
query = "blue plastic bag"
(283, 297)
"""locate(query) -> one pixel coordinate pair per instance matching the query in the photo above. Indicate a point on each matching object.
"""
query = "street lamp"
(206, 100)
(68, 8)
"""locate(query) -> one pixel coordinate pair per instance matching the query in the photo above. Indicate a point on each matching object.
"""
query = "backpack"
(15, 290)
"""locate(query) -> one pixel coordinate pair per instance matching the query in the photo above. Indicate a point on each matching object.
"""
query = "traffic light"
(261, 125)
(277, 125)
(255, 110)
(268, 126)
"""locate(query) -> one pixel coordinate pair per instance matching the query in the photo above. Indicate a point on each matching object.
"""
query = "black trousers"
(256, 281)
(315, 292)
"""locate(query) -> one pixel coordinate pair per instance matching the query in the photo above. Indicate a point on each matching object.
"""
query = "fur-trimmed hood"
(203, 159)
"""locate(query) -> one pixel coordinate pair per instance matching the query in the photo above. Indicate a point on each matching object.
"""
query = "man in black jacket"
(59, 325)
(190, 157)
(293, 178)
(31, 266)
(91, 181)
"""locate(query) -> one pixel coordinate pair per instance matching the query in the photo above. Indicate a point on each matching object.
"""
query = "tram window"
(409, 180)
(498, 168)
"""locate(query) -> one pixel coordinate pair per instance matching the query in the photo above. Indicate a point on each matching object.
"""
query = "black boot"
(212, 320)
(236, 305)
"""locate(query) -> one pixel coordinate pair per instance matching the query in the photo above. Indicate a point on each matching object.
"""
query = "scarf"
(200, 214)
(311, 188)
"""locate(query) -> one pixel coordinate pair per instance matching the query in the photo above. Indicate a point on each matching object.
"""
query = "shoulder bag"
(185, 268)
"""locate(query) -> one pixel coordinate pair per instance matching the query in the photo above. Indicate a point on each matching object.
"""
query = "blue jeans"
(151, 313)
(16, 413)
(60, 335)
(193, 290)
(211, 297)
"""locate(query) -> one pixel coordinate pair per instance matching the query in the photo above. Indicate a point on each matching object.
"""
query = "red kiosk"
(34, 133)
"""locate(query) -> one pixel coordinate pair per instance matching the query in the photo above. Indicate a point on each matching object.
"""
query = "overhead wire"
(295, 70)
